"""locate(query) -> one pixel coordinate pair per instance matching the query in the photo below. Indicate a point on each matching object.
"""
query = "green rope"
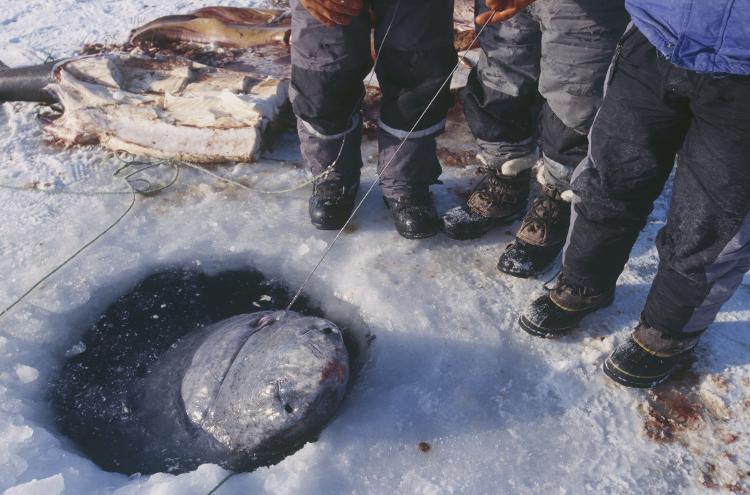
(64, 193)
(120, 155)
(134, 191)
(222, 178)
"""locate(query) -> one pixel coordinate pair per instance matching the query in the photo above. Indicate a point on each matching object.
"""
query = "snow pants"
(539, 80)
(328, 68)
(654, 112)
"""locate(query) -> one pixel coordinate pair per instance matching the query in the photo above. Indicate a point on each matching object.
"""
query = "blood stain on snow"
(729, 438)
(691, 411)
(459, 159)
(669, 413)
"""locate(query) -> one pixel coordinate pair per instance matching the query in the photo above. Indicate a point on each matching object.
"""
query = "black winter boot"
(540, 238)
(414, 215)
(648, 357)
(331, 204)
(497, 200)
(562, 308)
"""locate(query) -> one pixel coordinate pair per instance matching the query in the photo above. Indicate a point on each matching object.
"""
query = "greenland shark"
(241, 390)
(149, 395)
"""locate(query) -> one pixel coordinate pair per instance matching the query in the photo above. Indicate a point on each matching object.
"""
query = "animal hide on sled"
(165, 108)
(202, 88)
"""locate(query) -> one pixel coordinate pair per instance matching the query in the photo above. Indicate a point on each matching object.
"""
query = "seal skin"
(226, 27)
(166, 379)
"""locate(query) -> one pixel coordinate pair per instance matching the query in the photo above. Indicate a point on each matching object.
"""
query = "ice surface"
(54, 485)
(502, 411)
(26, 374)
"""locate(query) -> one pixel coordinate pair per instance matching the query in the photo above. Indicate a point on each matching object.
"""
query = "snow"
(502, 412)
(54, 485)
(26, 374)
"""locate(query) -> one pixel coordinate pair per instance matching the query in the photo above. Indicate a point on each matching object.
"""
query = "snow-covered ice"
(502, 412)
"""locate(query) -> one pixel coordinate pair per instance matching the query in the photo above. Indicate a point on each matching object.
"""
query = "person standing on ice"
(330, 57)
(537, 86)
(678, 88)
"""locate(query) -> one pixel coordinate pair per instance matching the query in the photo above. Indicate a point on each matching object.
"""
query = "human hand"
(501, 10)
(333, 12)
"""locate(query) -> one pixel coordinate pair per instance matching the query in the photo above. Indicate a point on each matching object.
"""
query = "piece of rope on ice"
(130, 180)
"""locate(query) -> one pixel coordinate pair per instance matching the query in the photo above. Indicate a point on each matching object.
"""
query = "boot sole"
(327, 226)
(528, 274)
(538, 331)
(499, 222)
(626, 379)
(415, 237)
(533, 329)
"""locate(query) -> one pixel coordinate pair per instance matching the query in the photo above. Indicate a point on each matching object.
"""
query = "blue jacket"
(699, 35)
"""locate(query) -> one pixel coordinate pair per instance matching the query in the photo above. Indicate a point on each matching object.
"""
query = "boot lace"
(544, 212)
(330, 191)
(492, 189)
(562, 284)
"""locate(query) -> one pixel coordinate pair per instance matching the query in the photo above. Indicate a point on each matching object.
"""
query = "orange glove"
(333, 12)
(503, 10)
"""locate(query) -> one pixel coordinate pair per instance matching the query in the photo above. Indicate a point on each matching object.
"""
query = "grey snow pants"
(328, 68)
(539, 80)
(654, 112)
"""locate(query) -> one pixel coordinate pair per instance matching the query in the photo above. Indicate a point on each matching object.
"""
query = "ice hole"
(95, 397)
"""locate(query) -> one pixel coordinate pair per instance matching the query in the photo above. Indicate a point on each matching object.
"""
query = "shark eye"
(288, 408)
(327, 330)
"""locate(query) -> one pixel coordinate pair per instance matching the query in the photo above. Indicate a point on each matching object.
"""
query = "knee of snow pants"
(651, 110)
(501, 99)
(578, 40)
(415, 64)
(416, 60)
(328, 67)
(634, 140)
(553, 57)
(705, 245)
(407, 156)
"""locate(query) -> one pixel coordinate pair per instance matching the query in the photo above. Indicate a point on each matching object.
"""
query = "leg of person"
(501, 104)
(578, 40)
(328, 65)
(416, 60)
(705, 246)
(634, 140)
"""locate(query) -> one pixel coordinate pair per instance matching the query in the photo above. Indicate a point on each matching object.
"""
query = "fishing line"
(219, 485)
(379, 174)
(328, 170)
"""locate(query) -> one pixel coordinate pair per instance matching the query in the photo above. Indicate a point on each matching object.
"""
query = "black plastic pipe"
(26, 83)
